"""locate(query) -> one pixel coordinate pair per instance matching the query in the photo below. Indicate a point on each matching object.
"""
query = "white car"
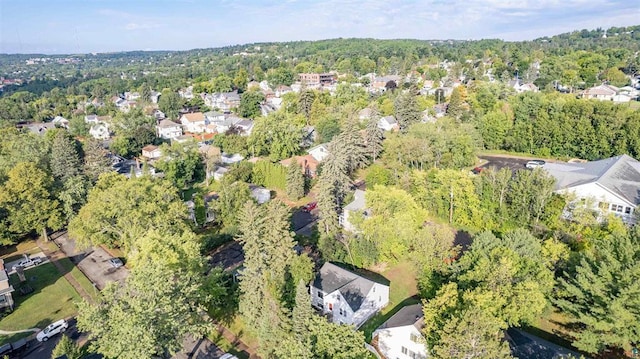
(54, 328)
(228, 356)
(27, 262)
(535, 164)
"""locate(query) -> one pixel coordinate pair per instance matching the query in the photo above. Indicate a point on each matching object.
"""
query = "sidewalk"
(54, 257)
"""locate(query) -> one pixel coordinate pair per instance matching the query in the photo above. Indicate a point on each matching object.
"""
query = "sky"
(83, 26)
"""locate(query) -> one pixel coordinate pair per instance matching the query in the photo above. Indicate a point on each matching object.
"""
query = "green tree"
(599, 294)
(241, 79)
(305, 103)
(120, 210)
(406, 110)
(27, 200)
(149, 315)
(222, 83)
(181, 164)
(457, 105)
(231, 198)
(250, 104)
(277, 135)
(66, 346)
(295, 182)
(170, 103)
(373, 139)
(73, 195)
(96, 160)
(65, 159)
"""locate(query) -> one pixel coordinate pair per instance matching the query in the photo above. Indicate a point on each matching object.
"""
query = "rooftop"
(353, 287)
(409, 315)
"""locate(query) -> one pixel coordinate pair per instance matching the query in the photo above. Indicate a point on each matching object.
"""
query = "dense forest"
(524, 261)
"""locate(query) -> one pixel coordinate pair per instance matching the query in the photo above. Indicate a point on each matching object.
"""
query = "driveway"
(511, 162)
(93, 262)
(528, 346)
(9, 265)
(198, 349)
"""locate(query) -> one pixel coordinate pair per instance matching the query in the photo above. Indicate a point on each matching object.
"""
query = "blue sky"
(66, 26)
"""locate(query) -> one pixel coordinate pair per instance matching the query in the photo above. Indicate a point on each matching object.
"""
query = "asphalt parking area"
(500, 162)
(93, 262)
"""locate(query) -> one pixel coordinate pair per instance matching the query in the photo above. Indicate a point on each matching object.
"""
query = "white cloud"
(140, 26)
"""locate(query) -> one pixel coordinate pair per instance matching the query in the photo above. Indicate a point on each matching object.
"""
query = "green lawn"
(53, 298)
(403, 291)
(84, 282)
(224, 344)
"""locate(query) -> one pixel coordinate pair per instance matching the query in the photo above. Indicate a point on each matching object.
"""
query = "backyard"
(52, 298)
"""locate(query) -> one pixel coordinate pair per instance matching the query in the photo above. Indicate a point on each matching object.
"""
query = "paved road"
(41, 350)
(92, 262)
(528, 346)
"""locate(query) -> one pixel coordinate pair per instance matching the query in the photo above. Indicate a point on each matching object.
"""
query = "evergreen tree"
(295, 182)
(373, 139)
(96, 161)
(66, 346)
(406, 110)
(65, 159)
(601, 294)
(305, 103)
(457, 106)
(350, 147)
(333, 185)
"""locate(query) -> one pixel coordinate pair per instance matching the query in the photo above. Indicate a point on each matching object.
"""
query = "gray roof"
(358, 202)
(353, 287)
(409, 315)
(390, 120)
(620, 175)
(167, 124)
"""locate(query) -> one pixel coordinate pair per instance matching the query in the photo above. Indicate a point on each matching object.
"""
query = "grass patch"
(403, 291)
(223, 343)
(238, 328)
(552, 326)
(77, 274)
(4, 339)
(53, 298)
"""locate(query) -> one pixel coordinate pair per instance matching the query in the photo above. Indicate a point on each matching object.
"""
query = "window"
(340, 311)
(320, 294)
(617, 208)
(414, 338)
(627, 210)
(405, 350)
(374, 288)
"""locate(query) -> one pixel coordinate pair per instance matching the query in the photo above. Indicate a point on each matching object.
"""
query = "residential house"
(151, 152)
(356, 206)
(168, 129)
(246, 126)
(224, 101)
(183, 139)
(187, 93)
(308, 164)
(348, 298)
(210, 214)
(608, 186)
(135, 168)
(320, 152)
(388, 123)
(231, 159)
(602, 92)
(100, 131)
(621, 98)
(154, 97)
(521, 87)
(60, 121)
(379, 84)
(282, 89)
(193, 122)
(158, 115)
(91, 119)
(131, 96)
(401, 335)
(219, 173)
(309, 136)
(260, 194)
(6, 298)
(213, 116)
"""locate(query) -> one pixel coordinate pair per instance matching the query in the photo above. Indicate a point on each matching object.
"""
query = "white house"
(601, 92)
(61, 121)
(231, 159)
(608, 186)
(100, 131)
(193, 122)
(320, 152)
(347, 297)
(388, 123)
(401, 335)
(168, 129)
(356, 206)
(219, 173)
(91, 119)
(246, 126)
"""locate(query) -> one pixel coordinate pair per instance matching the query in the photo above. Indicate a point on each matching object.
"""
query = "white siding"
(603, 200)
(392, 340)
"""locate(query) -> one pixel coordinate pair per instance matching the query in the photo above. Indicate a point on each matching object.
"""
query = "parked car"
(15, 348)
(477, 170)
(310, 206)
(228, 356)
(27, 262)
(535, 164)
(54, 328)
(116, 262)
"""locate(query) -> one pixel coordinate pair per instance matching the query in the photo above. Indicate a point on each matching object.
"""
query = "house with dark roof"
(388, 123)
(6, 289)
(357, 206)
(401, 335)
(348, 298)
(608, 186)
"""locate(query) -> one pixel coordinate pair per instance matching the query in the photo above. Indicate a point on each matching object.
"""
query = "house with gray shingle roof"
(608, 186)
(347, 297)
(401, 335)
(358, 205)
